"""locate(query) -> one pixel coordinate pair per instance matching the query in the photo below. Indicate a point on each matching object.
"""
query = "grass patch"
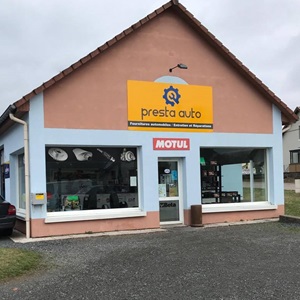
(292, 203)
(287, 227)
(16, 262)
(291, 199)
(258, 193)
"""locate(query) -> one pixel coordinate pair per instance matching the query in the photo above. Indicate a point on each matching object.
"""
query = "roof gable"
(288, 116)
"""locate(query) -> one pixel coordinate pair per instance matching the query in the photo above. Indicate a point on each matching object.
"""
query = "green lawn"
(259, 194)
(291, 199)
(15, 262)
(292, 203)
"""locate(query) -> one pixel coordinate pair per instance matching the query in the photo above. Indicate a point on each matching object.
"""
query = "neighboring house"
(139, 131)
(291, 145)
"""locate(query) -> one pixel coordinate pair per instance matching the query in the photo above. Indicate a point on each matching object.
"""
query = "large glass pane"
(168, 191)
(85, 178)
(168, 179)
(294, 157)
(233, 175)
(259, 177)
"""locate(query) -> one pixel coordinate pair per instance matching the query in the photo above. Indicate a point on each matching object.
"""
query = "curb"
(289, 219)
(20, 238)
(242, 223)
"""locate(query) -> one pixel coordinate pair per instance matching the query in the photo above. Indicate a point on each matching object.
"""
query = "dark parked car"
(7, 217)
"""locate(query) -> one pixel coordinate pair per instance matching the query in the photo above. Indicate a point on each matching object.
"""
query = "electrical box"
(38, 199)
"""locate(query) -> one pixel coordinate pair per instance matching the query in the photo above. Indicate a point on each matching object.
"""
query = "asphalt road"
(260, 261)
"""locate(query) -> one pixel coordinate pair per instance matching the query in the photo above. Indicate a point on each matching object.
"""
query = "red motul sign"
(171, 144)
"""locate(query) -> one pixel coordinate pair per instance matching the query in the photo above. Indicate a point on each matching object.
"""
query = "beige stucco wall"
(40, 229)
(95, 95)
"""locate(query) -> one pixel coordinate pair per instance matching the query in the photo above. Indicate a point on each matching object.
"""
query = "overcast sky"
(40, 38)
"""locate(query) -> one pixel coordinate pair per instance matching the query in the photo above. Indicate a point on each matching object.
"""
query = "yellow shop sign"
(169, 107)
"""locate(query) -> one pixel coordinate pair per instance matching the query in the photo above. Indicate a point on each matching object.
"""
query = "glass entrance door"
(169, 190)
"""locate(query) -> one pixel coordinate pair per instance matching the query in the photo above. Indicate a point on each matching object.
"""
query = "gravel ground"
(258, 261)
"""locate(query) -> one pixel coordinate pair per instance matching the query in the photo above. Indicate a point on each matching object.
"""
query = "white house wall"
(291, 141)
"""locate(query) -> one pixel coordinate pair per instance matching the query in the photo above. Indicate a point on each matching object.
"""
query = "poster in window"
(6, 170)
(162, 189)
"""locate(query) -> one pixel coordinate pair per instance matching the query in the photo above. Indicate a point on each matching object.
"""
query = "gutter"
(286, 129)
(26, 162)
(11, 109)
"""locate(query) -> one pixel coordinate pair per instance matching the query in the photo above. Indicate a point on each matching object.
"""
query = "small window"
(294, 156)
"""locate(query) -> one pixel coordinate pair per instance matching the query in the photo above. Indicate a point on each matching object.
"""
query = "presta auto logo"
(171, 96)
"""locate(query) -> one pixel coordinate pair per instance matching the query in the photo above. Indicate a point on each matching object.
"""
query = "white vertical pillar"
(251, 181)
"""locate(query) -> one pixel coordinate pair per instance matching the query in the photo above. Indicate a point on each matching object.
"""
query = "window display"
(86, 178)
(233, 175)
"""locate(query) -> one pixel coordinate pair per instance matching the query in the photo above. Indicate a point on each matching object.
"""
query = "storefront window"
(21, 181)
(88, 178)
(233, 175)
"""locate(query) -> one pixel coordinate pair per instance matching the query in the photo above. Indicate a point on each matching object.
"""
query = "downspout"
(26, 161)
(286, 129)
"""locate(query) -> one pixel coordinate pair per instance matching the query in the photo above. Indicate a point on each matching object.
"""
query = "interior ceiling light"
(180, 66)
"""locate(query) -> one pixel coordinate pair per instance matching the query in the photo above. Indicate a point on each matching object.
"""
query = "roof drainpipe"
(26, 161)
(286, 129)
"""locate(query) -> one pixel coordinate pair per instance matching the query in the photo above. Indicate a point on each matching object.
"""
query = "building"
(291, 146)
(158, 119)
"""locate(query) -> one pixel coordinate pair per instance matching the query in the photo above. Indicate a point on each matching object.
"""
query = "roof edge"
(95, 53)
(289, 115)
(239, 66)
(10, 109)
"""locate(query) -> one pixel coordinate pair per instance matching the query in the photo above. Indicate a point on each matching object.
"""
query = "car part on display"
(106, 155)
(82, 155)
(127, 155)
(110, 158)
(71, 202)
(58, 154)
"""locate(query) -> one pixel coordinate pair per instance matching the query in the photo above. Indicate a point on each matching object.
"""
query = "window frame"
(97, 214)
(292, 152)
(219, 192)
(20, 210)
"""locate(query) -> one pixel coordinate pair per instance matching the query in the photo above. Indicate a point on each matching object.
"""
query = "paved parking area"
(257, 261)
